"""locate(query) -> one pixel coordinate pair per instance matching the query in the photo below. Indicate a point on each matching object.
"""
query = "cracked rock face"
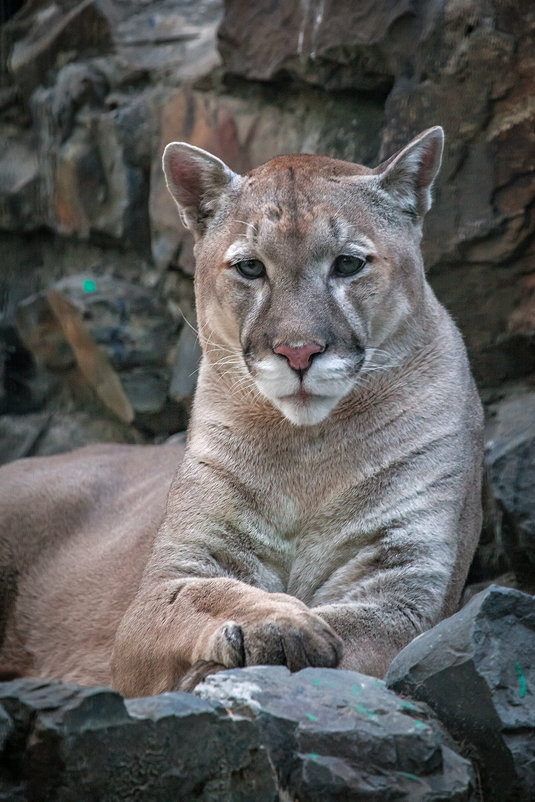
(70, 744)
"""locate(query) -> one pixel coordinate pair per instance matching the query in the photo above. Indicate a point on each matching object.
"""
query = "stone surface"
(121, 348)
(63, 743)
(334, 735)
(246, 131)
(510, 467)
(338, 45)
(53, 31)
(257, 733)
(94, 184)
(177, 41)
(19, 176)
(476, 670)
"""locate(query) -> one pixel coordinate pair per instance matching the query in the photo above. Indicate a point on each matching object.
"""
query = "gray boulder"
(510, 469)
(339, 735)
(62, 743)
(476, 670)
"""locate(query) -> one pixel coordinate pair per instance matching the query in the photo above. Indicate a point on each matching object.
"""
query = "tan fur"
(321, 517)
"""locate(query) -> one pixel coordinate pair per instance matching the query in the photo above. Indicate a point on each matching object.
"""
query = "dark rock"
(19, 178)
(341, 735)
(174, 41)
(476, 670)
(19, 435)
(76, 86)
(132, 327)
(71, 744)
(24, 386)
(6, 728)
(510, 469)
(339, 45)
(88, 185)
(128, 320)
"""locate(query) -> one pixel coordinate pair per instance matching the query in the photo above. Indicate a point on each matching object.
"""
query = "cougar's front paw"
(295, 639)
(296, 642)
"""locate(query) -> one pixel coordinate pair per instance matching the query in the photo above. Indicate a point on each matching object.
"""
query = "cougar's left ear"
(408, 175)
(196, 180)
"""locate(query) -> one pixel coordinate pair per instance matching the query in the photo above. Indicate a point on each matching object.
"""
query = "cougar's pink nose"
(299, 356)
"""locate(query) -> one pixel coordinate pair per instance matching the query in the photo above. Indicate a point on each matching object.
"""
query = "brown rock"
(338, 45)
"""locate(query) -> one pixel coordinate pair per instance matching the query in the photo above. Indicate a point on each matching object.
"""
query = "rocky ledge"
(454, 720)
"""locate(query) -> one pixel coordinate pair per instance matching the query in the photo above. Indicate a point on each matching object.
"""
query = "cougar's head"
(307, 267)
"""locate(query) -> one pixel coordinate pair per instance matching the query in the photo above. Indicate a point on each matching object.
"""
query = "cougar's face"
(300, 283)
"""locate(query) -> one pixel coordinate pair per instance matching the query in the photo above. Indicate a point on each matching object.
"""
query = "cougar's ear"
(408, 175)
(196, 180)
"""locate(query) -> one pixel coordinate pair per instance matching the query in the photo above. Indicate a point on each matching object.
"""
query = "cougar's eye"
(251, 268)
(346, 265)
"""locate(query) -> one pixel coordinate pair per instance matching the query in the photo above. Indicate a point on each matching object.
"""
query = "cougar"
(326, 506)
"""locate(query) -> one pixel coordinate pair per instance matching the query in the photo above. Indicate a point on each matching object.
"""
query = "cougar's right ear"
(408, 175)
(196, 180)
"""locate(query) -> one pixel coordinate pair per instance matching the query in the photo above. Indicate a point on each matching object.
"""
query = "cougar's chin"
(305, 410)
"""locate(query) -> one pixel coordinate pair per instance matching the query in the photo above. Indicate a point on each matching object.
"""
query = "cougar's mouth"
(308, 398)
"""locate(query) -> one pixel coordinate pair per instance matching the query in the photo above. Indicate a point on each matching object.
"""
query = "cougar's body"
(328, 502)
(75, 535)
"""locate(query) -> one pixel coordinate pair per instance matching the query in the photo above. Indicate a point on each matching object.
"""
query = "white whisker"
(245, 223)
